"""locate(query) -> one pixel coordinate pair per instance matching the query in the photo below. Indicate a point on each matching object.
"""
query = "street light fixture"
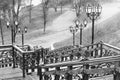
(73, 30)
(13, 29)
(81, 26)
(22, 31)
(93, 12)
(16, 23)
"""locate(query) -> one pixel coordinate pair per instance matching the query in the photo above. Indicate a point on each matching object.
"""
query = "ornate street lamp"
(13, 29)
(73, 30)
(93, 12)
(81, 26)
(22, 31)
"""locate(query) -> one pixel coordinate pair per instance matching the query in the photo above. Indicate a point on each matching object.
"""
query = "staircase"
(9, 73)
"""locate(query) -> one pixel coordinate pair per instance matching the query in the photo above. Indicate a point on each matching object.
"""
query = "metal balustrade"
(6, 56)
(95, 60)
(19, 57)
(77, 53)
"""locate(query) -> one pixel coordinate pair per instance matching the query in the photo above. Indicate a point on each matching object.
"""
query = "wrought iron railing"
(94, 60)
(95, 55)
(16, 56)
(6, 56)
(70, 53)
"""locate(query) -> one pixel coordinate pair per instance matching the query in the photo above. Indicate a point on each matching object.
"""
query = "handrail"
(24, 52)
(24, 45)
(72, 48)
(108, 45)
(17, 48)
(78, 71)
(78, 62)
(90, 45)
(7, 49)
(5, 46)
(6, 63)
(21, 51)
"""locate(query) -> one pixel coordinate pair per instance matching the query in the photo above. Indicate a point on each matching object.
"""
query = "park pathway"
(60, 26)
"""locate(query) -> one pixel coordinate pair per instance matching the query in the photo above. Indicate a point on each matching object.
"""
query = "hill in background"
(107, 31)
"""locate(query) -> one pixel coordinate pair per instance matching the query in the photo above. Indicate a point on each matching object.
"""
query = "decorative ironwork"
(6, 58)
(94, 60)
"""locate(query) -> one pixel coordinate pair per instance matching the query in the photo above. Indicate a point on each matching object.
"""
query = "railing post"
(42, 54)
(68, 75)
(92, 53)
(101, 48)
(40, 73)
(38, 61)
(56, 75)
(13, 53)
(96, 51)
(85, 75)
(62, 58)
(23, 65)
(46, 77)
(56, 59)
(116, 75)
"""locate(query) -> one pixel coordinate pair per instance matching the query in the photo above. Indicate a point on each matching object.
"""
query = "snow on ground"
(108, 10)
(60, 26)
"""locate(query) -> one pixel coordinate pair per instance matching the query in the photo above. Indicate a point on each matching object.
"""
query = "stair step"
(9, 72)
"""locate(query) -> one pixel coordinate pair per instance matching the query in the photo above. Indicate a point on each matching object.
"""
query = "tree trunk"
(30, 11)
(61, 7)
(1, 33)
(44, 17)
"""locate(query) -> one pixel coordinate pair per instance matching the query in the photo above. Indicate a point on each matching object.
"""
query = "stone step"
(10, 72)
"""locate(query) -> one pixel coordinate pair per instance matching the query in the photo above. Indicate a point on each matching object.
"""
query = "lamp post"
(22, 31)
(13, 25)
(13, 29)
(93, 12)
(81, 26)
(73, 30)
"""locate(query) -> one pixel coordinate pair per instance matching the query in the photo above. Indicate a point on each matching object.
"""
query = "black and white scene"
(59, 40)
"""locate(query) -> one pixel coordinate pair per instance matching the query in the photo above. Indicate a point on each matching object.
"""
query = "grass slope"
(107, 31)
(35, 28)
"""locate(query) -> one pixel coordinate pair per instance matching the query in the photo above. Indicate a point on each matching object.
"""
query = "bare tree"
(12, 15)
(45, 12)
(55, 2)
(30, 10)
(1, 28)
(61, 5)
(3, 7)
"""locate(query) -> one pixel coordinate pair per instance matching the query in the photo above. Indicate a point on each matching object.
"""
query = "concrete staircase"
(9, 73)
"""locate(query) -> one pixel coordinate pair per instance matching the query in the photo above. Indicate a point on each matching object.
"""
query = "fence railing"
(19, 57)
(6, 58)
(93, 60)
(70, 56)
